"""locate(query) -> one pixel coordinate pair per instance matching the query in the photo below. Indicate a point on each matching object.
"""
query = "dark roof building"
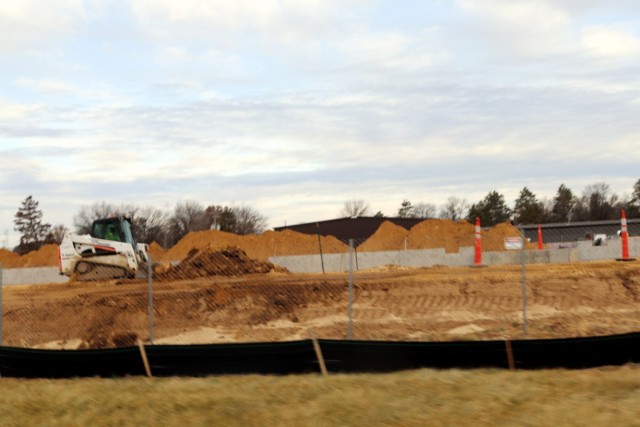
(573, 231)
(359, 228)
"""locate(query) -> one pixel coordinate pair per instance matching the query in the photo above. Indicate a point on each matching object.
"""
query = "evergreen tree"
(491, 210)
(28, 221)
(406, 209)
(527, 209)
(563, 204)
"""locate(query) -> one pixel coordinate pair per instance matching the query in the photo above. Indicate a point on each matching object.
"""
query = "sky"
(293, 107)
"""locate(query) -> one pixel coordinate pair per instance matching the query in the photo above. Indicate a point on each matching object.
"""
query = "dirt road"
(389, 304)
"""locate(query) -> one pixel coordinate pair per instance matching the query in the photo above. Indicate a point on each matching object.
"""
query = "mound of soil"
(257, 246)
(46, 256)
(438, 233)
(493, 239)
(156, 251)
(388, 237)
(211, 261)
(9, 259)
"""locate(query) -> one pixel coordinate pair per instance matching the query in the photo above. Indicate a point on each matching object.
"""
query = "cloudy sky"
(293, 107)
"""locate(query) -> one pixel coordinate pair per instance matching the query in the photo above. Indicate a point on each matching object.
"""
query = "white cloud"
(529, 27)
(47, 86)
(611, 41)
(284, 20)
(31, 23)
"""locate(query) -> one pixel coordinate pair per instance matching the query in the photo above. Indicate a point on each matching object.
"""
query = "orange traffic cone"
(624, 234)
(477, 259)
(539, 237)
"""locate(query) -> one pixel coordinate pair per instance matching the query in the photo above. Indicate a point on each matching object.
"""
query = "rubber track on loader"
(86, 271)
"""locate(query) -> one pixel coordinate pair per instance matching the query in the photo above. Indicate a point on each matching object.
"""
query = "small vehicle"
(109, 252)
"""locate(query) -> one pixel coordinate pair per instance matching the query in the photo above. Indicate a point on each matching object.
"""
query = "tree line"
(149, 224)
(596, 203)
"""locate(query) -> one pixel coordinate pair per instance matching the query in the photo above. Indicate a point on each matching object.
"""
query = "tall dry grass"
(597, 397)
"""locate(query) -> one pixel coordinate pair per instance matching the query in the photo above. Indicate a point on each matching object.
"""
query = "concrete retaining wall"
(32, 276)
(584, 251)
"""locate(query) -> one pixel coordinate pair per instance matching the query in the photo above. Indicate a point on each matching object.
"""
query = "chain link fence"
(223, 293)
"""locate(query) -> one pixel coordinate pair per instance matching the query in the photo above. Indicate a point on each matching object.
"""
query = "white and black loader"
(109, 252)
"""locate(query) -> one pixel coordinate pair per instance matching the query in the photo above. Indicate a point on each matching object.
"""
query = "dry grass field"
(595, 397)
(390, 303)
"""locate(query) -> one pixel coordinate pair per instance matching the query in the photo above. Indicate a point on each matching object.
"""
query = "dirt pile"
(437, 233)
(46, 256)
(388, 237)
(428, 234)
(156, 251)
(257, 246)
(493, 239)
(9, 259)
(211, 261)
(441, 233)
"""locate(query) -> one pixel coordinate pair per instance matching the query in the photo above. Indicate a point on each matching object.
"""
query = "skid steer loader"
(109, 252)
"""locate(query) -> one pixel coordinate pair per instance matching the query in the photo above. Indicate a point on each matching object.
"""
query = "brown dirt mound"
(46, 256)
(260, 246)
(438, 233)
(9, 259)
(493, 239)
(156, 251)
(211, 261)
(441, 233)
(388, 237)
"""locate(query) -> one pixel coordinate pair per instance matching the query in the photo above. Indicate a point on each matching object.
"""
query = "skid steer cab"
(109, 252)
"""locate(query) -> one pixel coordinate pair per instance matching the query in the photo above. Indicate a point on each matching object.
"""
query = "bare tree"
(187, 216)
(56, 234)
(248, 221)
(424, 210)
(599, 202)
(355, 208)
(151, 225)
(455, 209)
(87, 214)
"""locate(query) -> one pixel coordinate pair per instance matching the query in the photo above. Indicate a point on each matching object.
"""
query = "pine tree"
(563, 204)
(527, 209)
(406, 209)
(491, 210)
(28, 221)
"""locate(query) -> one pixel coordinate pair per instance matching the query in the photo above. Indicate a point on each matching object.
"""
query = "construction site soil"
(428, 234)
(225, 291)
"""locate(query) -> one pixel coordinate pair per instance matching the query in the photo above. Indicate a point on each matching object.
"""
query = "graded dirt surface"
(426, 304)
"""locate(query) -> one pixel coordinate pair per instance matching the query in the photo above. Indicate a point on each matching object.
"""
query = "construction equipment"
(109, 252)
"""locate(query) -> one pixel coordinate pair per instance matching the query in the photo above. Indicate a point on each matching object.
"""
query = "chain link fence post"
(1, 308)
(524, 284)
(350, 303)
(150, 277)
